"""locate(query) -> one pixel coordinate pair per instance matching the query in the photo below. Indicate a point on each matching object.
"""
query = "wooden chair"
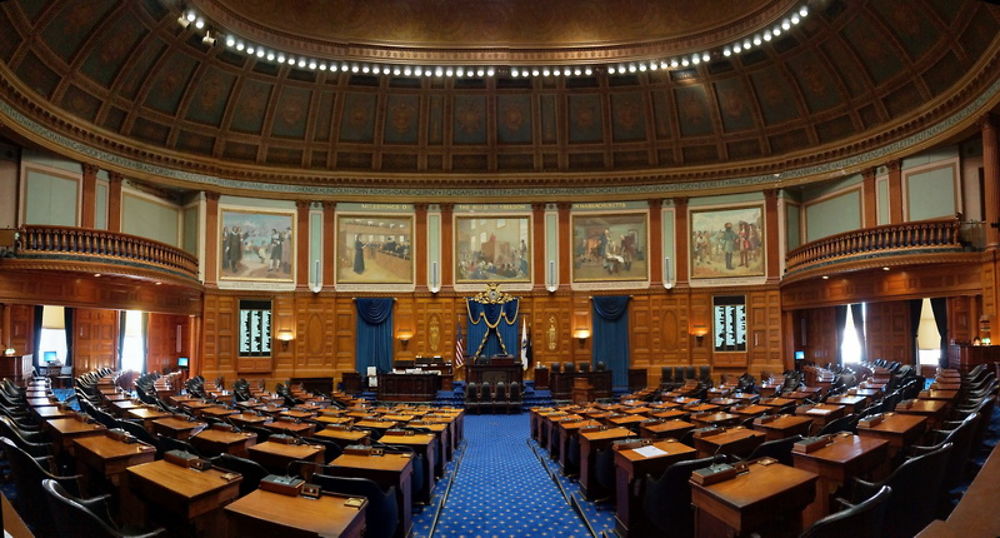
(472, 403)
(666, 500)
(847, 423)
(863, 520)
(382, 512)
(84, 518)
(252, 471)
(779, 449)
(917, 485)
(28, 475)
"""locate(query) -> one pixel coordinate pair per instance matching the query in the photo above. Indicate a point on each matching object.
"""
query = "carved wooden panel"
(162, 344)
(22, 328)
(95, 340)
(889, 334)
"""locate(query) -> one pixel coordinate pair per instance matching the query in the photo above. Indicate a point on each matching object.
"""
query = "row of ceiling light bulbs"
(189, 18)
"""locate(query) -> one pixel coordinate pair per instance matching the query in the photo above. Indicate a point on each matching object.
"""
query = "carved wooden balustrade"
(99, 246)
(928, 236)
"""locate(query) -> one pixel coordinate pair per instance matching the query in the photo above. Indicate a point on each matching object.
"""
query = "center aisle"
(501, 488)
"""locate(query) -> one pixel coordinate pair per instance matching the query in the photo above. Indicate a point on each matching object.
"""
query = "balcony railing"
(945, 235)
(98, 246)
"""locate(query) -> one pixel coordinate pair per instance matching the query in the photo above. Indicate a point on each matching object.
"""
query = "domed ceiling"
(498, 31)
(855, 76)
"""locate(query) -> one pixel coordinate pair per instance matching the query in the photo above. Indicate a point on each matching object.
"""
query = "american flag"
(459, 348)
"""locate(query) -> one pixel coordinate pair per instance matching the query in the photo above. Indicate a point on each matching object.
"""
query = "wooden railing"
(102, 246)
(944, 234)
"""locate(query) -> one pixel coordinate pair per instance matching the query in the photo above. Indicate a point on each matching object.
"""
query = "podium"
(495, 370)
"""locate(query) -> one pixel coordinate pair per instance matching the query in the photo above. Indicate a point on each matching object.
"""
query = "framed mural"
(727, 242)
(494, 248)
(610, 246)
(374, 249)
(257, 245)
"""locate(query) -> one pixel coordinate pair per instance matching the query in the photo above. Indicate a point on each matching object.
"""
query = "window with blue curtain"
(373, 344)
(610, 334)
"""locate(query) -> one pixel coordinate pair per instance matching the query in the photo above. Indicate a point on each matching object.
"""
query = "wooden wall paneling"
(640, 327)
(990, 288)
(83, 290)
(162, 343)
(888, 334)
(344, 328)
(95, 340)
(764, 328)
(22, 328)
(963, 321)
(821, 335)
(700, 312)
(283, 356)
(581, 308)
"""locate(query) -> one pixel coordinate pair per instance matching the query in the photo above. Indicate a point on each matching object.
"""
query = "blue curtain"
(610, 343)
(493, 328)
(373, 345)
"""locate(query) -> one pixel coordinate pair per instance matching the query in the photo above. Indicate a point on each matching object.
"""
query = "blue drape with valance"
(373, 346)
(493, 328)
(610, 344)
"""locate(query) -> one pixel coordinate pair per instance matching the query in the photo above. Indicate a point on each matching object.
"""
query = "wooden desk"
(934, 410)
(46, 413)
(276, 456)
(179, 492)
(65, 430)
(216, 412)
(444, 443)
(715, 419)
(899, 429)
(848, 456)
(212, 442)
(626, 421)
(566, 438)
(122, 407)
(631, 466)
(297, 414)
(636, 410)
(667, 429)
(867, 393)
(101, 459)
(737, 441)
(388, 470)
(333, 420)
(304, 429)
(855, 403)
(147, 415)
(822, 414)
(775, 402)
(177, 428)
(752, 410)
(265, 514)
(784, 426)
(767, 499)
(945, 386)
(933, 394)
(701, 408)
(196, 405)
(248, 419)
(342, 437)
(590, 443)
(423, 444)
(42, 402)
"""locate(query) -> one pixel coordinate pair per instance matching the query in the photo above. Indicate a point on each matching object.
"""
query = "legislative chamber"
(624, 268)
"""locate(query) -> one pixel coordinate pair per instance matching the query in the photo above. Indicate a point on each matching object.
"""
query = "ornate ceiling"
(856, 76)
(492, 31)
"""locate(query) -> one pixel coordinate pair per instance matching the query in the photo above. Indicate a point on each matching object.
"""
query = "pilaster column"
(114, 202)
(419, 238)
(991, 180)
(870, 217)
(211, 232)
(88, 196)
(329, 219)
(447, 248)
(654, 250)
(895, 192)
(302, 244)
(565, 244)
(538, 248)
(683, 237)
(771, 234)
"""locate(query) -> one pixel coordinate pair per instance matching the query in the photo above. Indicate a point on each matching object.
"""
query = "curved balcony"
(98, 251)
(929, 241)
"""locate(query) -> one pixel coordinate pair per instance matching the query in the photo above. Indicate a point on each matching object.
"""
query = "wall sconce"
(434, 283)
(667, 282)
(9, 352)
(699, 330)
(317, 286)
(404, 337)
(550, 282)
(581, 335)
(285, 336)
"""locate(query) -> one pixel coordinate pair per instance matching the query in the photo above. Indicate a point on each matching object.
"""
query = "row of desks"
(196, 497)
(567, 429)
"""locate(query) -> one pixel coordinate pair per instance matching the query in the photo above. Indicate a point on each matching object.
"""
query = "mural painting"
(727, 242)
(494, 248)
(257, 246)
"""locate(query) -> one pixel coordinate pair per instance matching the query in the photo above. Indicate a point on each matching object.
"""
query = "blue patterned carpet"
(501, 489)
